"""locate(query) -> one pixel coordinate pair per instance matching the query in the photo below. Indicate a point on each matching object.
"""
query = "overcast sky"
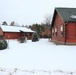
(28, 12)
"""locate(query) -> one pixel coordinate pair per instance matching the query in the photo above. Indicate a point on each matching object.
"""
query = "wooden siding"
(1, 32)
(57, 24)
(16, 35)
(71, 32)
(67, 35)
(11, 35)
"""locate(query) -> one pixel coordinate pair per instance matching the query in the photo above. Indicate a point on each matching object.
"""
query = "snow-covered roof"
(15, 29)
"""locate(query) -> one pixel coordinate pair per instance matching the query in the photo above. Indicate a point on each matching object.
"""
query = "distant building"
(64, 26)
(14, 32)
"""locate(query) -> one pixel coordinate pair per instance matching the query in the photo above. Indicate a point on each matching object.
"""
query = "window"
(55, 31)
(52, 31)
(61, 29)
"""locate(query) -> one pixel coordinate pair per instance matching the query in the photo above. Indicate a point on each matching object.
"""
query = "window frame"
(62, 30)
(55, 31)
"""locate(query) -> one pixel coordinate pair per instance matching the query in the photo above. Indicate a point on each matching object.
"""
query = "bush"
(21, 39)
(3, 44)
(35, 37)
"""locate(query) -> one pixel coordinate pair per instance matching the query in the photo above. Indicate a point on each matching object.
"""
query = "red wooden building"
(14, 32)
(64, 26)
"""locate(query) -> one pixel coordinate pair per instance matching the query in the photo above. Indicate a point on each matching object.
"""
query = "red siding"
(11, 35)
(16, 35)
(71, 32)
(57, 24)
(1, 32)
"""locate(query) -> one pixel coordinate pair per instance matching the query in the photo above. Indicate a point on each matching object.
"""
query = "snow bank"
(41, 58)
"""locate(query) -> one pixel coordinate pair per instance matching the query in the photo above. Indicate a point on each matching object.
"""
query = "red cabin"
(64, 26)
(14, 32)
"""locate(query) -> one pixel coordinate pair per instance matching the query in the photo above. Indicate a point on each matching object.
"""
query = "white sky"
(30, 11)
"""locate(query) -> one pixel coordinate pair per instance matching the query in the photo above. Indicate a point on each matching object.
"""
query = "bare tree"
(47, 20)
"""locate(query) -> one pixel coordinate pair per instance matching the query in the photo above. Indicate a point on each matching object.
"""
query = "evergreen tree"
(12, 23)
(4, 23)
(35, 37)
(3, 43)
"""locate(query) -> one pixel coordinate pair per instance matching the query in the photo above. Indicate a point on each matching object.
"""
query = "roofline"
(56, 11)
(59, 14)
(17, 30)
(53, 18)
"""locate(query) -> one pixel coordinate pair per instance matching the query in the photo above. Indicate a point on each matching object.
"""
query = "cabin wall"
(11, 35)
(16, 35)
(56, 36)
(1, 32)
(71, 32)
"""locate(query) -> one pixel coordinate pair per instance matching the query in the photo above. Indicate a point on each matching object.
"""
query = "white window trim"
(52, 30)
(55, 29)
(61, 28)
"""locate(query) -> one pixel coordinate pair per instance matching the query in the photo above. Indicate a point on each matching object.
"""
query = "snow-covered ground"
(37, 58)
